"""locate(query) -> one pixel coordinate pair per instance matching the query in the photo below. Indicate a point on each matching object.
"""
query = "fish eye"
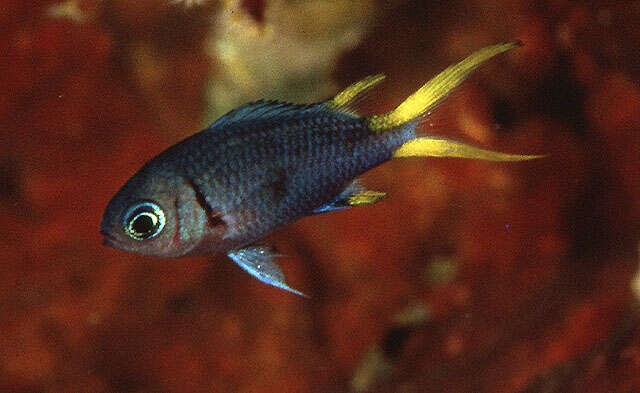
(144, 221)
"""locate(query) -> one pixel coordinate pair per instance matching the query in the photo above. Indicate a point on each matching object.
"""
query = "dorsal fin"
(265, 110)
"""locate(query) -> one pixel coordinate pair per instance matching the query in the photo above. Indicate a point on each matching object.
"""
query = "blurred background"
(469, 277)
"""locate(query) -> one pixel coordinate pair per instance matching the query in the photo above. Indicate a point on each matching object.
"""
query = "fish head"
(156, 214)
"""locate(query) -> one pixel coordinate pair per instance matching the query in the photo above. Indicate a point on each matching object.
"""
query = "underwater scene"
(320, 196)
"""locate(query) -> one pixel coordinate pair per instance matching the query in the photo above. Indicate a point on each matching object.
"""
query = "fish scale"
(310, 182)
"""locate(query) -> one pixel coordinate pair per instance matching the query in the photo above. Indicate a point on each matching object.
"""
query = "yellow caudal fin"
(347, 100)
(433, 147)
(436, 89)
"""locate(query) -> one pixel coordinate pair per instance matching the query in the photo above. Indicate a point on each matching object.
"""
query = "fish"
(267, 164)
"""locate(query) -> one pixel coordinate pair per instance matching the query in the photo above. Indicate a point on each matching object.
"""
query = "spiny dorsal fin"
(266, 110)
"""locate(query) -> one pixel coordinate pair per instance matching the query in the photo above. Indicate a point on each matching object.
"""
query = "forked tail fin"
(436, 89)
(418, 104)
(437, 147)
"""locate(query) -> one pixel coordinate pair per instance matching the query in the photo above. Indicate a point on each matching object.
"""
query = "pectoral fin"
(434, 147)
(353, 195)
(260, 262)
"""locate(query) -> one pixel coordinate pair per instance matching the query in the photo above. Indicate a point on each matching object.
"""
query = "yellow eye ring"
(144, 221)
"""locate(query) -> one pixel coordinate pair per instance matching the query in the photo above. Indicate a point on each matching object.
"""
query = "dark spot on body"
(278, 183)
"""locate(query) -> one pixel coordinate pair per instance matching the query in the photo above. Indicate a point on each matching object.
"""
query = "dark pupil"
(143, 225)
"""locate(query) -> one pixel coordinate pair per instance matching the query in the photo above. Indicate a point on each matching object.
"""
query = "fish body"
(251, 176)
(267, 164)
(266, 171)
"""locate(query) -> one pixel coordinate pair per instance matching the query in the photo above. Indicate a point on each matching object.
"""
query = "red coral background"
(543, 253)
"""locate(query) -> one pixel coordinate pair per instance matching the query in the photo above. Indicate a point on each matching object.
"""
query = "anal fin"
(259, 261)
(353, 195)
